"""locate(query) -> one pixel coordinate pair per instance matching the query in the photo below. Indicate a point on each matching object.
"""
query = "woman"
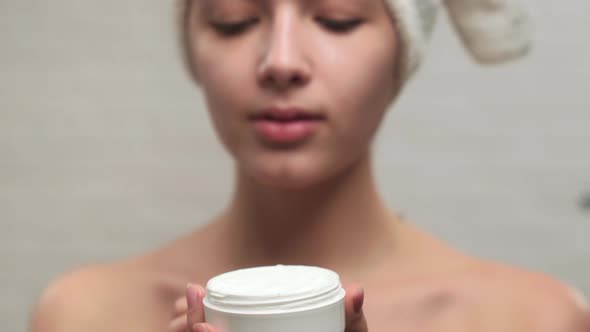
(296, 91)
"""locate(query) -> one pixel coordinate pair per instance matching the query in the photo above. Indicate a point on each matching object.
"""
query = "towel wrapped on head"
(493, 31)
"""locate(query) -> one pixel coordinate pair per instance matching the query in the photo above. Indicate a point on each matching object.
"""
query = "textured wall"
(106, 150)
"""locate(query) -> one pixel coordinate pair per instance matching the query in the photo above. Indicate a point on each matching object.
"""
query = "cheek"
(362, 92)
(222, 76)
(220, 73)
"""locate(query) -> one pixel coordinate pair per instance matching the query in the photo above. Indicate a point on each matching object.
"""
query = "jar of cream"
(281, 298)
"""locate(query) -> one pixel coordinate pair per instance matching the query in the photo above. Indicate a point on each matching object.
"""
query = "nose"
(283, 63)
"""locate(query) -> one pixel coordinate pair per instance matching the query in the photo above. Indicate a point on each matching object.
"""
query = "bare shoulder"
(543, 303)
(72, 301)
(94, 298)
(134, 294)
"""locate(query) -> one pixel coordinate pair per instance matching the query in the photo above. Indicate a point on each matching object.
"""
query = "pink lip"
(285, 126)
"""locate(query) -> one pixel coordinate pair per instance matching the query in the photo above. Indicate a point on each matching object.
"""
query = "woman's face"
(296, 89)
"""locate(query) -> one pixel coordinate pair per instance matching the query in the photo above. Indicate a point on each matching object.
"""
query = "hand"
(188, 310)
(191, 316)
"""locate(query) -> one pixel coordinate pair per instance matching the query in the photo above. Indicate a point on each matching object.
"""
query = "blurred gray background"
(106, 149)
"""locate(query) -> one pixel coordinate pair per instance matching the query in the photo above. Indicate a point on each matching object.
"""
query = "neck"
(341, 224)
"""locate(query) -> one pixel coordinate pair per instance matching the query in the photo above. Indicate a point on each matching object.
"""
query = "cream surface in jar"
(280, 298)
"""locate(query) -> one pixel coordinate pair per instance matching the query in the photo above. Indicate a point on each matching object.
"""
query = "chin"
(291, 174)
(293, 180)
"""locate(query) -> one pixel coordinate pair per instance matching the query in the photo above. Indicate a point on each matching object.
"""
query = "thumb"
(353, 307)
(203, 327)
(194, 298)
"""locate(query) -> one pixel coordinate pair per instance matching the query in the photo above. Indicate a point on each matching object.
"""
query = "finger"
(180, 306)
(194, 298)
(353, 307)
(203, 327)
(178, 324)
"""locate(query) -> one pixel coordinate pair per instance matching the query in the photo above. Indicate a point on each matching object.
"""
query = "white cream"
(281, 298)
(273, 289)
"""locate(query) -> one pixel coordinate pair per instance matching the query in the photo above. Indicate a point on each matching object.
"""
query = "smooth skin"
(313, 203)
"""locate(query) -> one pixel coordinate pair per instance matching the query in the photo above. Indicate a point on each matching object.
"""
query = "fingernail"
(191, 295)
(358, 302)
(200, 327)
(200, 292)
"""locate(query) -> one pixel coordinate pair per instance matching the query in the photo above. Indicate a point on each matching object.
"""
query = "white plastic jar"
(281, 298)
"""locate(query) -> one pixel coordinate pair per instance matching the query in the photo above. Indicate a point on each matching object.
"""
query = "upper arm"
(560, 308)
(579, 298)
(577, 318)
(71, 303)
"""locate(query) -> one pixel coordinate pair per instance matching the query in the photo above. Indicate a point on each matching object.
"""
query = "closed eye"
(235, 28)
(340, 25)
(231, 29)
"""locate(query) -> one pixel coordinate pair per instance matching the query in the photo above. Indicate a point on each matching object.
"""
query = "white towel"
(493, 31)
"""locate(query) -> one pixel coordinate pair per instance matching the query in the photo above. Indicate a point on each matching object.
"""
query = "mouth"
(286, 115)
(286, 126)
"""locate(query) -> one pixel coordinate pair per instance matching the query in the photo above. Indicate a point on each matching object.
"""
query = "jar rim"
(273, 289)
